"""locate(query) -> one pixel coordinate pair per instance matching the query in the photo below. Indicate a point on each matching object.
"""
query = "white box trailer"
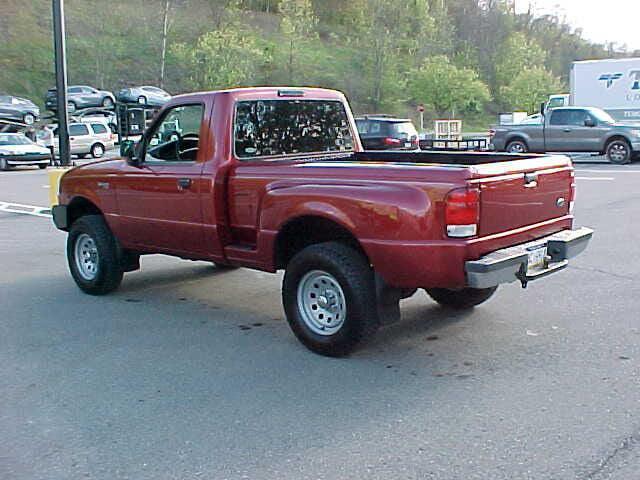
(613, 85)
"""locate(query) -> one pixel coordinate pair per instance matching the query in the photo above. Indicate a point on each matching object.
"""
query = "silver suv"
(80, 96)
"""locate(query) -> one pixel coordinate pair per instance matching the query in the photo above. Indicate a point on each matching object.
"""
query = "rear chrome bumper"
(512, 264)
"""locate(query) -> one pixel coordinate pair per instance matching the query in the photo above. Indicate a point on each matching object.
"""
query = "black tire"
(107, 102)
(29, 118)
(461, 299)
(517, 146)
(619, 152)
(108, 275)
(97, 150)
(4, 166)
(42, 166)
(224, 266)
(351, 270)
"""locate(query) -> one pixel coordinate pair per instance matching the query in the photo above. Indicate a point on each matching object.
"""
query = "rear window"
(78, 130)
(289, 127)
(405, 129)
(98, 128)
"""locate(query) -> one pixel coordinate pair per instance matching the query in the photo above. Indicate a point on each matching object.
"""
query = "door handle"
(184, 183)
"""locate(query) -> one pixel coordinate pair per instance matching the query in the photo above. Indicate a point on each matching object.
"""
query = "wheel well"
(614, 138)
(516, 138)
(309, 230)
(80, 207)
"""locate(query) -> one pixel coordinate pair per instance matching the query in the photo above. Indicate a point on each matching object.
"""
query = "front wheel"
(92, 255)
(329, 298)
(619, 152)
(462, 298)
(29, 119)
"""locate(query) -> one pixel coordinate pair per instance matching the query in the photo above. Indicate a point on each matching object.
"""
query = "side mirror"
(589, 122)
(128, 151)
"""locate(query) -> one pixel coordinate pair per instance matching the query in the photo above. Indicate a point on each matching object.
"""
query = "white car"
(16, 149)
(88, 138)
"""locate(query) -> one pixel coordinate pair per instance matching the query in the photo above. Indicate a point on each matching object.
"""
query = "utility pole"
(59, 51)
(164, 42)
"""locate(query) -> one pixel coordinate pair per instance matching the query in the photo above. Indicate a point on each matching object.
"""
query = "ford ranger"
(571, 129)
(273, 178)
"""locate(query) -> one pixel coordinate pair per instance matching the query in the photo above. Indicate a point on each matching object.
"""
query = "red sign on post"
(420, 107)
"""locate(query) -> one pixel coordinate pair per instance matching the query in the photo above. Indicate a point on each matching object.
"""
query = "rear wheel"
(462, 298)
(107, 102)
(517, 146)
(92, 255)
(97, 150)
(619, 152)
(329, 298)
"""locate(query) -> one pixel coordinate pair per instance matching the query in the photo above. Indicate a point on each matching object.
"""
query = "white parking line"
(622, 170)
(595, 178)
(25, 209)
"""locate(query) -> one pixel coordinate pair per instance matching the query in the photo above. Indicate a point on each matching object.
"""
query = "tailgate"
(527, 195)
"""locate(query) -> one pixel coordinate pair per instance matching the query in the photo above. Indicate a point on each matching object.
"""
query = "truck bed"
(443, 158)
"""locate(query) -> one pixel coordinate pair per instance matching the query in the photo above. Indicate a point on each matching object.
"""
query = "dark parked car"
(381, 132)
(81, 96)
(144, 95)
(18, 109)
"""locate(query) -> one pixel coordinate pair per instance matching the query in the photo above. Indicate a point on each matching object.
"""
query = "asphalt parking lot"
(188, 372)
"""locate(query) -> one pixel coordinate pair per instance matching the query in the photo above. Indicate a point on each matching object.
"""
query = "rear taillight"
(392, 142)
(462, 212)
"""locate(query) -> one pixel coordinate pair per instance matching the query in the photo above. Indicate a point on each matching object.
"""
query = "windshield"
(14, 140)
(602, 116)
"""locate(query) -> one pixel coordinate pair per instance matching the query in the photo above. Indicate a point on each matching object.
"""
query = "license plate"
(536, 257)
(407, 145)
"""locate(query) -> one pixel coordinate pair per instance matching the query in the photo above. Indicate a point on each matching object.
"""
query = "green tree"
(516, 54)
(447, 89)
(297, 26)
(220, 59)
(529, 88)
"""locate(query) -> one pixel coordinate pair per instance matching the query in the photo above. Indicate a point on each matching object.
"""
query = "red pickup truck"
(271, 178)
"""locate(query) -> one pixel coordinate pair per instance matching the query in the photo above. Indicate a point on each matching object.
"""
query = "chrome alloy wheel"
(321, 302)
(86, 256)
(618, 153)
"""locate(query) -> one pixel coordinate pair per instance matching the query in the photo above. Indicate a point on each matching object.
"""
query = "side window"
(176, 138)
(578, 117)
(77, 130)
(290, 127)
(74, 90)
(560, 117)
(99, 129)
(375, 128)
(363, 127)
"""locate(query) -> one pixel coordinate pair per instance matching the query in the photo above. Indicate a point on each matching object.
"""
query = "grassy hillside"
(458, 57)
